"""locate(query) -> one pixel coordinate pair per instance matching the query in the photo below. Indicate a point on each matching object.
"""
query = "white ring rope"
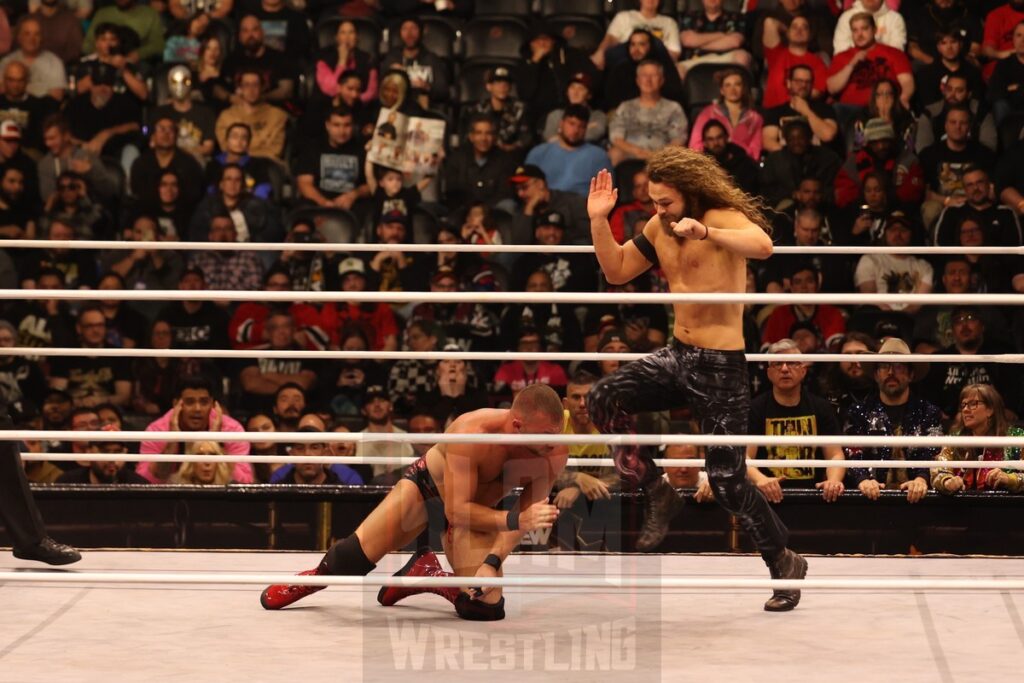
(340, 247)
(509, 297)
(606, 582)
(572, 462)
(485, 355)
(521, 439)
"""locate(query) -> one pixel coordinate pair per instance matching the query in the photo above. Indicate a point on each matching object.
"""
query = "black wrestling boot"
(48, 551)
(662, 504)
(788, 565)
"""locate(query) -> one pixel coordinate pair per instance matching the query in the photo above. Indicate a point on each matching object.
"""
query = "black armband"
(512, 519)
(494, 561)
(646, 248)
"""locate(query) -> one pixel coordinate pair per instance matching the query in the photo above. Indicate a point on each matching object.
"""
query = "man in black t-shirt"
(263, 378)
(944, 381)
(196, 325)
(284, 28)
(332, 175)
(945, 162)
(253, 54)
(28, 111)
(789, 410)
(92, 380)
(820, 116)
(102, 120)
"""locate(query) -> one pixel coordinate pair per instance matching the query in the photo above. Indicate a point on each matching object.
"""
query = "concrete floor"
(73, 632)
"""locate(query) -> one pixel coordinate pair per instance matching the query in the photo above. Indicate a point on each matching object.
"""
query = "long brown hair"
(704, 184)
(990, 396)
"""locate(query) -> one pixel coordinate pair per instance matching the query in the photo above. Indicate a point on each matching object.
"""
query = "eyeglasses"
(960, 319)
(894, 368)
(972, 404)
(778, 364)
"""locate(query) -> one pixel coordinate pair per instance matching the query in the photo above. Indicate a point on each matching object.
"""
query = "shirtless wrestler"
(703, 232)
(469, 479)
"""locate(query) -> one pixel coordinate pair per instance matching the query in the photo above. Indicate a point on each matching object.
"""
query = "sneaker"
(789, 565)
(276, 597)
(663, 503)
(423, 563)
(48, 551)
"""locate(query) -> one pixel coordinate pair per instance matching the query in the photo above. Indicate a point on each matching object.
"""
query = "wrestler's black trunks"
(418, 474)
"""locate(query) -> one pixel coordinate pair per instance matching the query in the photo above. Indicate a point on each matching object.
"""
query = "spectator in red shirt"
(375, 320)
(882, 153)
(804, 278)
(514, 376)
(998, 41)
(782, 55)
(629, 219)
(855, 71)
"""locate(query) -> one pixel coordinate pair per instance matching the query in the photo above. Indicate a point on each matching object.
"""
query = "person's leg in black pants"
(721, 403)
(19, 513)
(649, 384)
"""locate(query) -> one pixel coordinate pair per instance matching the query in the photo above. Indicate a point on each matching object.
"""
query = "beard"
(666, 222)
(103, 474)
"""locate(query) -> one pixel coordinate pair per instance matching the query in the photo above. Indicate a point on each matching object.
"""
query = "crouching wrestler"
(469, 479)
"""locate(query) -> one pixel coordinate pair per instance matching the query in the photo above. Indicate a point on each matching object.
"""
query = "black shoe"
(789, 565)
(49, 551)
(663, 503)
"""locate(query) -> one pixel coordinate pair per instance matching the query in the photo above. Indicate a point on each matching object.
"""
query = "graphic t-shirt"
(812, 416)
(335, 170)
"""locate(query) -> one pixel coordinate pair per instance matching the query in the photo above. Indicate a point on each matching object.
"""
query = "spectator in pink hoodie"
(734, 110)
(195, 410)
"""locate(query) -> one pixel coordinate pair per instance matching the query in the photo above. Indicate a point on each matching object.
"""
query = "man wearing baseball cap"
(568, 161)
(549, 62)
(579, 90)
(530, 185)
(569, 272)
(28, 111)
(883, 153)
(514, 132)
(12, 156)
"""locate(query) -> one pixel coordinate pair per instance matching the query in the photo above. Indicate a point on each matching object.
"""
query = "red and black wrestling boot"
(423, 563)
(282, 595)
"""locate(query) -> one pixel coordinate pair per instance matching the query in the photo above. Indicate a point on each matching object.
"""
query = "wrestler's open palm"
(603, 195)
(538, 516)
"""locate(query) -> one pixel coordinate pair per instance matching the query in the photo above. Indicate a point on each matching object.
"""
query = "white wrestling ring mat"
(170, 632)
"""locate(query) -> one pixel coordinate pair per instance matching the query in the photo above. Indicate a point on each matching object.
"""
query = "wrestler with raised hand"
(469, 479)
(704, 230)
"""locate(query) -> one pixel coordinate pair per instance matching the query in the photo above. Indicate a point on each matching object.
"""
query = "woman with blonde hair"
(203, 473)
(982, 413)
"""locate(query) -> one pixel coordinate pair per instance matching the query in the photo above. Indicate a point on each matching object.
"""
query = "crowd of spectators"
(872, 122)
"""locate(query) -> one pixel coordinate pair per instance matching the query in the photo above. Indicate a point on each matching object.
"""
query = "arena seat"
(583, 33)
(578, 8)
(493, 37)
(1011, 130)
(336, 225)
(505, 8)
(473, 77)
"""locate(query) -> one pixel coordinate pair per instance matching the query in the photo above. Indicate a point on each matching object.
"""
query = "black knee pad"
(346, 558)
(475, 610)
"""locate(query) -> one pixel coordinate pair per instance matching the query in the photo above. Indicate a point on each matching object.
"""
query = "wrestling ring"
(167, 615)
